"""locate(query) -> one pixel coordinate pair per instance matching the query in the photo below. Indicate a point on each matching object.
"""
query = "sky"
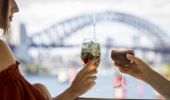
(40, 14)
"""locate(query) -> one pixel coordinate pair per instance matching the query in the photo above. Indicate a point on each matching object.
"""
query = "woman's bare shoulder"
(6, 56)
(3, 47)
(2, 42)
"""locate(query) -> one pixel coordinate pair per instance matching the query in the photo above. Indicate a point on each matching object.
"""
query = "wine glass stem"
(122, 79)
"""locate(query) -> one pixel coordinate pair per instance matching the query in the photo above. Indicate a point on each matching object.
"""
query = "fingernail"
(128, 56)
(115, 64)
(97, 57)
(126, 65)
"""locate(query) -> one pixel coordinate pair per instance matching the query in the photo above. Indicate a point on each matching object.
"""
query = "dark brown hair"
(4, 6)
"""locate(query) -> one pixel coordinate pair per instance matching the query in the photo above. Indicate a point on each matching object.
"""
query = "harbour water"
(104, 87)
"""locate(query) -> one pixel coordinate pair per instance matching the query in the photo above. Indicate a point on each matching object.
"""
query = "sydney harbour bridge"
(55, 35)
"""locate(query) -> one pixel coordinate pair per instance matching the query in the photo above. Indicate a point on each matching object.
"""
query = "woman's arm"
(84, 81)
(6, 56)
(159, 83)
(66, 95)
(142, 71)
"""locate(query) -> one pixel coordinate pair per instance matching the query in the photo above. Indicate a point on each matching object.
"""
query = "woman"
(13, 85)
(140, 70)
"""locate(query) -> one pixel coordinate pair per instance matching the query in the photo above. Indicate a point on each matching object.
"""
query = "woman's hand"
(137, 68)
(142, 71)
(84, 81)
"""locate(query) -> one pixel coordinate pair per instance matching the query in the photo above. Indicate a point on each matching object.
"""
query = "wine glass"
(90, 50)
(119, 57)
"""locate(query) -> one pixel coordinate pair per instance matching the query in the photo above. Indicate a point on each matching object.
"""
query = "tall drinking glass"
(90, 50)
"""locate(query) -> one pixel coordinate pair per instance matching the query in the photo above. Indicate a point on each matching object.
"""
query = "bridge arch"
(55, 34)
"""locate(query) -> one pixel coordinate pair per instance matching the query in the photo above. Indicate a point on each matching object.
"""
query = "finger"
(125, 66)
(91, 68)
(113, 51)
(85, 73)
(130, 52)
(90, 85)
(117, 65)
(137, 62)
(89, 79)
(89, 73)
(92, 62)
(124, 70)
(93, 78)
(132, 58)
(132, 64)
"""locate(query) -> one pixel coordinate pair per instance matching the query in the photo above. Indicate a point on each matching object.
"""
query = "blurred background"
(47, 36)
